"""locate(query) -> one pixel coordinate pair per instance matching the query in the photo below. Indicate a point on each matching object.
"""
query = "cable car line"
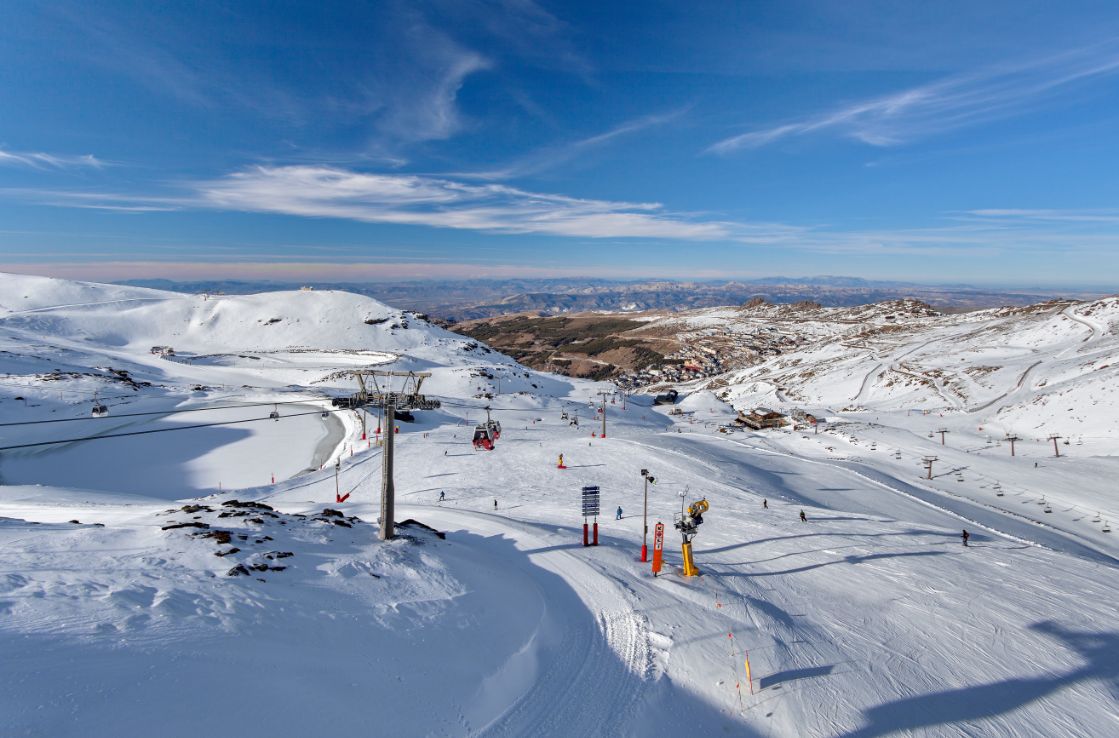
(155, 430)
(164, 412)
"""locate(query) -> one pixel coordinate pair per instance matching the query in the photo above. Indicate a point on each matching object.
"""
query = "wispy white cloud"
(554, 156)
(42, 160)
(316, 191)
(421, 103)
(955, 102)
(1049, 215)
(444, 203)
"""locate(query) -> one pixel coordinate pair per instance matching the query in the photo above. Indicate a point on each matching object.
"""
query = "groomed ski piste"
(161, 583)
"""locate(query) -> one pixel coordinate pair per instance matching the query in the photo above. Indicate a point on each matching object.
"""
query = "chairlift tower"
(407, 398)
(1012, 439)
(928, 462)
(604, 396)
(1054, 438)
(942, 432)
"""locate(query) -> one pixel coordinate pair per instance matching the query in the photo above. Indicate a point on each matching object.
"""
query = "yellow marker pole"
(749, 678)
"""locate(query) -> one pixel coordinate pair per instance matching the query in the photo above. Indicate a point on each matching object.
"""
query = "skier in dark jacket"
(765, 504)
(803, 517)
(619, 515)
(964, 536)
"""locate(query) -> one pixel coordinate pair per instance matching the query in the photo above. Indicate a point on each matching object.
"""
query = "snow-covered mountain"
(188, 561)
(1048, 368)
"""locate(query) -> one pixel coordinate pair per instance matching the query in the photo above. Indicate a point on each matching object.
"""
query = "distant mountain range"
(457, 300)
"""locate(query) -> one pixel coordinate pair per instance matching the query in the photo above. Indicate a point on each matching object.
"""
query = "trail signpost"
(590, 510)
(658, 548)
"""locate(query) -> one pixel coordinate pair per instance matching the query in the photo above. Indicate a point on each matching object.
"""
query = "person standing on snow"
(495, 504)
(803, 517)
(442, 495)
(765, 504)
(619, 515)
(964, 536)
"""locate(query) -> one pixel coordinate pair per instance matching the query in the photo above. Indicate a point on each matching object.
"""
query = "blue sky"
(946, 142)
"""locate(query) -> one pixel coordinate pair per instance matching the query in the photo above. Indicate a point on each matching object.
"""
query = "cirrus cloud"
(402, 199)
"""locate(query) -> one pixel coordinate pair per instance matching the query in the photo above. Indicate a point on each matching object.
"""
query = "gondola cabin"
(483, 438)
(99, 410)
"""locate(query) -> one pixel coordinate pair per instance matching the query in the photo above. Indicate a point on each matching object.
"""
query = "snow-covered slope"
(1012, 367)
(273, 610)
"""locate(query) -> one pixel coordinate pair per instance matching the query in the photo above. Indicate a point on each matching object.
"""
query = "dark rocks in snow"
(266, 567)
(196, 508)
(329, 513)
(278, 554)
(221, 536)
(227, 552)
(238, 571)
(76, 522)
(259, 521)
(410, 523)
(247, 505)
(192, 524)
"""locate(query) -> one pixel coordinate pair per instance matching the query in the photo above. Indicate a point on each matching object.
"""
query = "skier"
(442, 495)
(964, 536)
(495, 504)
(765, 504)
(619, 515)
(803, 517)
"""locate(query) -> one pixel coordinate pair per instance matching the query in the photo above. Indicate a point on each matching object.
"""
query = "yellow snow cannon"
(688, 524)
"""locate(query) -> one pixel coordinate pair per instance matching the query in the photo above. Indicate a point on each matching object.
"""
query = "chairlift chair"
(325, 413)
(275, 414)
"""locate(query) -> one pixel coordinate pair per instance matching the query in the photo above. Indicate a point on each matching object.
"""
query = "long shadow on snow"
(910, 532)
(1100, 652)
(790, 675)
(844, 560)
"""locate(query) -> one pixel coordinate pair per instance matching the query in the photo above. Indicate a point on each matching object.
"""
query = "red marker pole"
(595, 533)
(585, 538)
(658, 548)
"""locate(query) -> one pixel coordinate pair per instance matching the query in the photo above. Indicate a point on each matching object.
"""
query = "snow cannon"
(688, 524)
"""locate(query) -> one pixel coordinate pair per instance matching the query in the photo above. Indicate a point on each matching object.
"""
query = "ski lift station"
(760, 418)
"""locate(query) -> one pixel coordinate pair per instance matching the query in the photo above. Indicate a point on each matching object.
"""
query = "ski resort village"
(310, 513)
